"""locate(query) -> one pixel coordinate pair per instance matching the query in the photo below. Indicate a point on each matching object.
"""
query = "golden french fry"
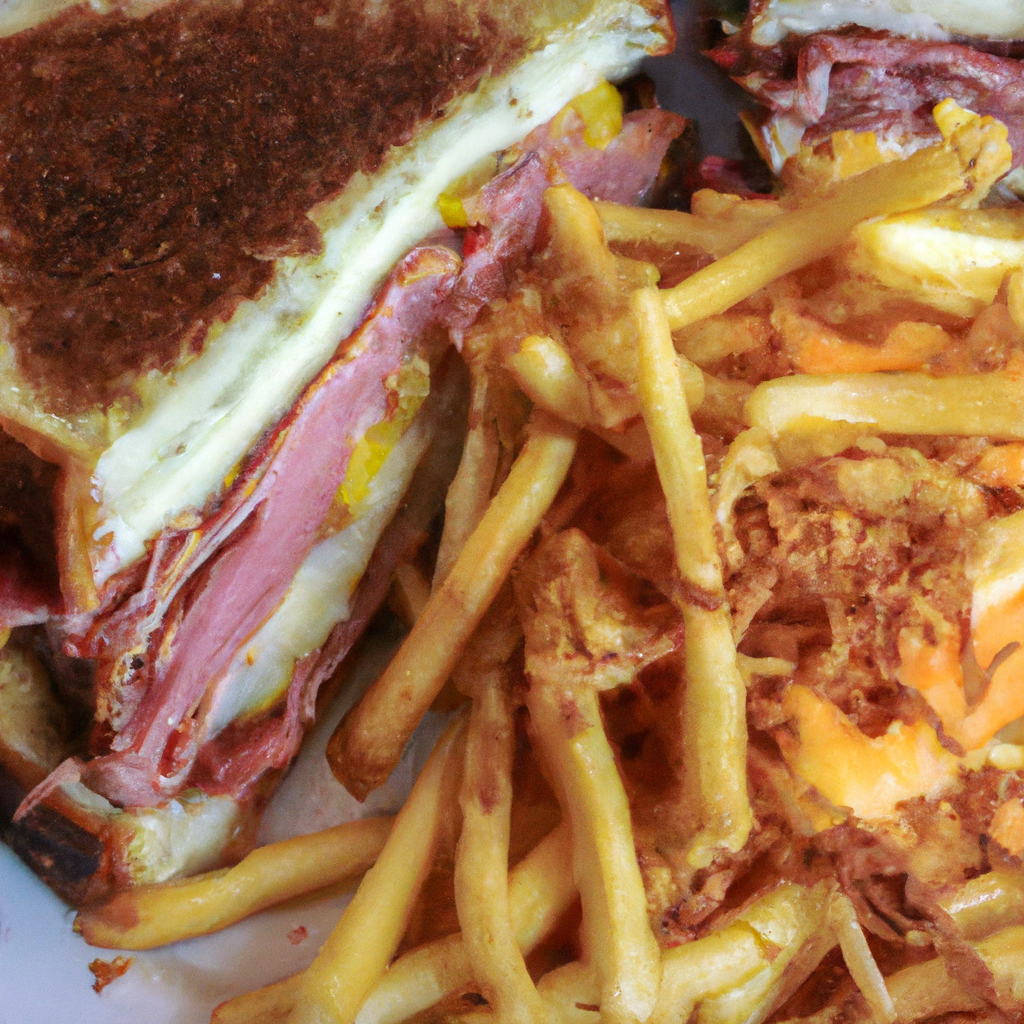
(706, 969)
(481, 862)
(1003, 954)
(711, 340)
(540, 890)
(927, 990)
(989, 902)
(1015, 297)
(677, 450)
(750, 667)
(577, 238)
(622, 946)
(268, 1005)
(809, 232)
(714, 716)
(572, 993)
(470, 491)
(359, 949)
(371, 738)
(970, 405)
(154, 915)
(545, 371)
(726, 208)
(842, 919)
(715, 735)
(669, 229)
(790, 923)
(709, 968)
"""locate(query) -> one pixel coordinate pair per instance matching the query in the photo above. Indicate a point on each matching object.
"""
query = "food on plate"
(224, 360)
(825, 69)
(154, 915)
(743, 736)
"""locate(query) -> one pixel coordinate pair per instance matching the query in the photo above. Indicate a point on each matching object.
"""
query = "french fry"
(729, 958)
(371, 738)
(155, 915)
(750, 667)
(1015, 297)
(669, 229)
(708, 968)
(624, 951)
(358, 950)
(572, 993)
(577, 234)
(470, 491)
(714, 713)
(540, 890)
(725, 208)
(481, 863)
(677, 449)
(812, 230)
(545, 371)
(268, 1005)
(928, 989)
(711, 340)
(987, 903)
(791, 925)
(970, 405)
(842, 919)
(715, 736)
(1003, 954)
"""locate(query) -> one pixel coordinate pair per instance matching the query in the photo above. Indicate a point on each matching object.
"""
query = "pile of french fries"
(600, 782)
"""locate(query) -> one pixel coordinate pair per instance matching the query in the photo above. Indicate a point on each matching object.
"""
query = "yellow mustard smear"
(601, 110)
(453, 213)
(407, 389)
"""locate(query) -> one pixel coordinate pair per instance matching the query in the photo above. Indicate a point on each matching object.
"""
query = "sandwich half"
(874, 65)
(223, 361)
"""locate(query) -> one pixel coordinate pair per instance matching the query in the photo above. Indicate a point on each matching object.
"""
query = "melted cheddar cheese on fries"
(730, 597)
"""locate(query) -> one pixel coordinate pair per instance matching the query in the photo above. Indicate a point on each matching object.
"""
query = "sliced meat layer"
(869, 81)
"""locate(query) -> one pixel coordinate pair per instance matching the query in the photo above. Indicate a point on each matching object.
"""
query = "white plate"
(44, 973)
